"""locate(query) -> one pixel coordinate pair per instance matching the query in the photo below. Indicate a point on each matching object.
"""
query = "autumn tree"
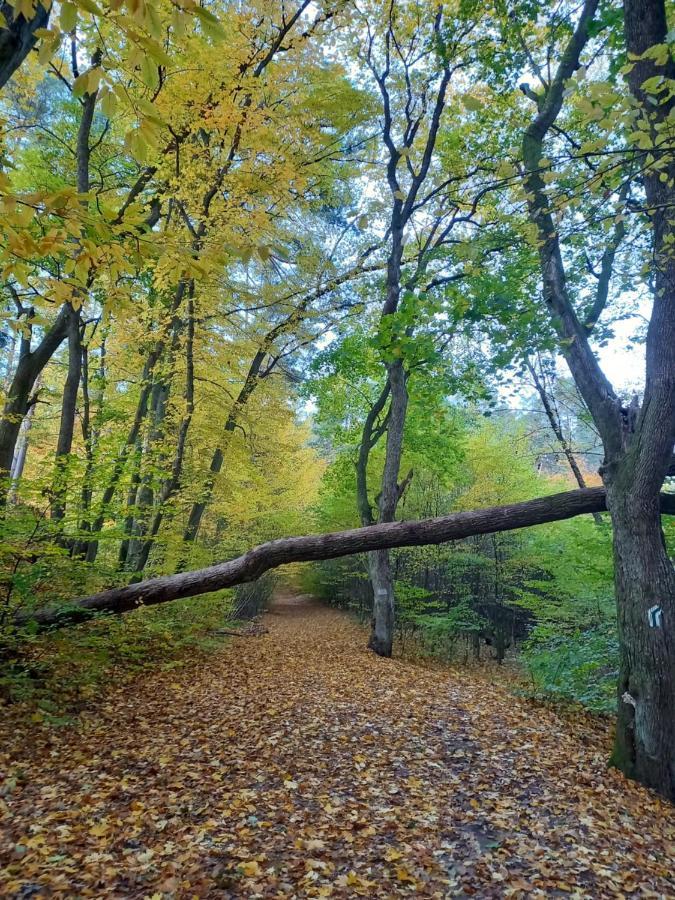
(411, 56)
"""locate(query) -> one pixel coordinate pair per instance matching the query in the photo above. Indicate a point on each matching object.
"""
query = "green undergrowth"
(53, 676)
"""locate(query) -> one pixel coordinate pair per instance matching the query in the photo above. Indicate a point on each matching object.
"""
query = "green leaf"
(90, 7)
(68, 16)
(210, 23)
(108, 103)
(473, 104)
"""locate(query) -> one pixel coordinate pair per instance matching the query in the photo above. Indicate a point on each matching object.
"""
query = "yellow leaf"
(402, 874)
(250, 869)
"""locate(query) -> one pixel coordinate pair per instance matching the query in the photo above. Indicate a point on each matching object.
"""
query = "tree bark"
(638, 440)
(91, 430)
(71, 387)
(328, 546)
(17, 37)
(21, 451)
(152, 359)
(64, 442)
(379, 565)
(644, 575)
(30, 365)
(645, 591)
(144, 495)
(171, 484)
(370, 435)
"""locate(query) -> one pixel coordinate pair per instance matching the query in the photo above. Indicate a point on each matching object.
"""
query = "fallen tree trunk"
(260, 559)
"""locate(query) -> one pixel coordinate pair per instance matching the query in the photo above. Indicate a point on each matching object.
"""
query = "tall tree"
(638, 439)
(411, 56)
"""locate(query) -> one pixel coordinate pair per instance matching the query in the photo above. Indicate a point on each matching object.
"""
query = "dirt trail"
(296, 764)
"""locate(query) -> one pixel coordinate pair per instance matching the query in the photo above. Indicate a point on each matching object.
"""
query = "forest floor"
(297, 764)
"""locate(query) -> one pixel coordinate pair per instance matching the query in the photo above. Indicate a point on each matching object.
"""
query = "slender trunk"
(132, 495)
(198, 509)
(72, 384)
(556, 428)
(139, 417)
(91, 430)
(404, 196)
(120, 463)
(64, 443)
(145, 494)
(171, 484)
(379, 565)
(21, 451)
(153, 456)
(370, 435)
(31, 364)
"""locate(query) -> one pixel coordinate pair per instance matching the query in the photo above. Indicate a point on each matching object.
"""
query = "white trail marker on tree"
(655, 617)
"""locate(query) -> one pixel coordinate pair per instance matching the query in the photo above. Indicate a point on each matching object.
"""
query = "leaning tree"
(637, 440)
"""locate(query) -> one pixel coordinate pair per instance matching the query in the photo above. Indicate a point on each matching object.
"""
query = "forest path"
(297, 764)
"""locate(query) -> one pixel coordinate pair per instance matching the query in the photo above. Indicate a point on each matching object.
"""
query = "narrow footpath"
(297, 764)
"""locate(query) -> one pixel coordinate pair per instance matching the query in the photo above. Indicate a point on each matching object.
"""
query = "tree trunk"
(370, 435)
(21, 451)
(645, 593)
(379, 565)
(556, 428)
(381, 639)
(638, 441)
(253, 377)
(132, 494)
(145, 494)
(72, 384)
(17, 37)
(645, 579)
(64, 443)
(255, 562)
(152, 360)
(171, 484)
(91, 430)
(30, 365)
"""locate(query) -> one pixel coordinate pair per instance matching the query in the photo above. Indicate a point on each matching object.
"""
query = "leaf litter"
(297, 764)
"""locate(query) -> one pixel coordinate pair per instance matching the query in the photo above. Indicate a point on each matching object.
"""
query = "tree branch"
(260, 559)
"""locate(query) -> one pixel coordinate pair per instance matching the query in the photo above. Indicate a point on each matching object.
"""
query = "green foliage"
(582, 666)
(56, 674)
(440, 634)
(572, 650)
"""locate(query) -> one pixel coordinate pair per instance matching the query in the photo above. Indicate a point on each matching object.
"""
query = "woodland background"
(196, 215)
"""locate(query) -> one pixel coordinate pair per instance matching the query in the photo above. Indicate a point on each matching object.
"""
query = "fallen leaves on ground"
(297, 764)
